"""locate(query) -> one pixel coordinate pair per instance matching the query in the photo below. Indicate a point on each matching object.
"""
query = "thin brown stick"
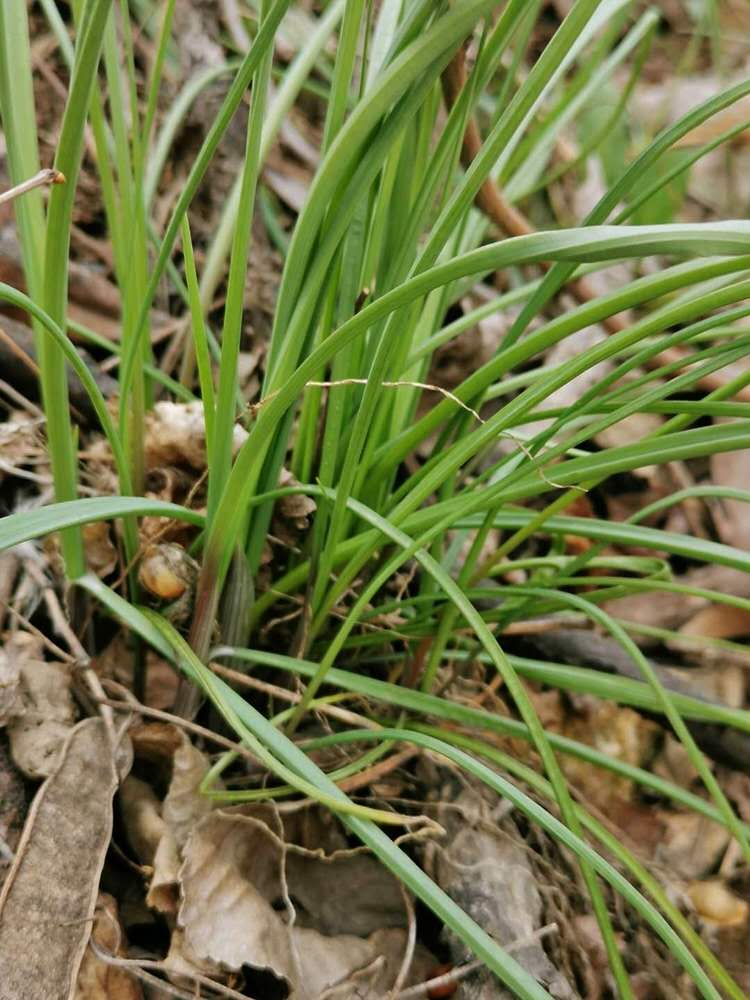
(511, 220)
(342, 714)
(20, 400)
(29, 626)
(138, 967)
(192, 727)
(62, 628)
(411, 942)
(44, 177)
(378, 770)
(490, 199)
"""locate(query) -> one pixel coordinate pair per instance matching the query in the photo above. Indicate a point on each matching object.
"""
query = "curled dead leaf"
(250, 899)
(156, 829)
(184, 805)
(140, 810)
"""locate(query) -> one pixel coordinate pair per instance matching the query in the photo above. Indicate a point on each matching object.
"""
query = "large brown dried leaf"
(250, 899)
(49, 897)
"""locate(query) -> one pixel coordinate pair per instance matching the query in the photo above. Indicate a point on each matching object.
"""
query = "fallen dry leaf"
(10, 562)
(670, 611)
(140, 810)
(249, 898)
(48, 899)
(184, 805)
(633, 427)
(709, 181)
(718, 621)
(153, 842)
(157, 830)
(735, 115)
(98, 980)
(117, 661)
(156, 744)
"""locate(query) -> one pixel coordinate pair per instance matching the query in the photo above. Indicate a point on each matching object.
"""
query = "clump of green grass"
(387, 242)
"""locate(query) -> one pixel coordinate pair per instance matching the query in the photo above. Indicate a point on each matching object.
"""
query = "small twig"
(21, 400)
(254, 407)
(81, 657)
(49, 176)
(138, 968)
(411, 943)
(379, 770)
(51, 646)
(342, 714)
(368, 970)
(538, 626)
(132, 705)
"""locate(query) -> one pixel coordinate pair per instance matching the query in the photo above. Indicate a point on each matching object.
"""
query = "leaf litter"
(238, 890)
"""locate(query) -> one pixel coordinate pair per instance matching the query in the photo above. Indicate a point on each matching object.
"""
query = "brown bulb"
(166, 570)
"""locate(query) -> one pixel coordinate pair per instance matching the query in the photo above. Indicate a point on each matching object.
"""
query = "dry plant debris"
(485, 868)
(49, 896)
(237, 892)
